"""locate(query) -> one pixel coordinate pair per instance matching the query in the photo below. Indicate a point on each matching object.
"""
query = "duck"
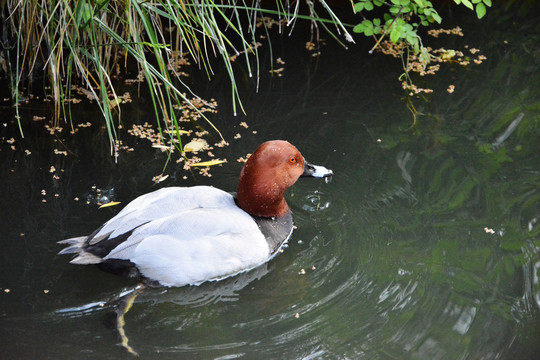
(178, 236)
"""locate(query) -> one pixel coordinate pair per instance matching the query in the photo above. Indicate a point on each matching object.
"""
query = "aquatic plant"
(92, 42)
(401, 19)
(395, 30)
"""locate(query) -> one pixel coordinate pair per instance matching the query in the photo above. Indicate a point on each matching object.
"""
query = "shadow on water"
(425, 245)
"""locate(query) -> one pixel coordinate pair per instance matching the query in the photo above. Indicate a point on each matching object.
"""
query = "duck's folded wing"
(160, 204)
(195, 246)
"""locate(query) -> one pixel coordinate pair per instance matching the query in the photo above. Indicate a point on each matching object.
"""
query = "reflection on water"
(425, 245)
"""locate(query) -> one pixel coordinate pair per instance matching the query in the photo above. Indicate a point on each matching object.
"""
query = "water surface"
(425, 245)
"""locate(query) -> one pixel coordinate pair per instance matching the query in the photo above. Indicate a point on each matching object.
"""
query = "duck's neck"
(263, 200)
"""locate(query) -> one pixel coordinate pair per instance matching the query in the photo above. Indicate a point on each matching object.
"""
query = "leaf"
(424, 56)
(365, 27)
(468, 4)
(413, 40)
(395, 35)
(195, 145)
(115, 102)
(395, 9)
(83, 13)
(175, 130)
(367, 23)
(112, 203)
(358, 28)
(480, 10)
(358, 7)
(160, 178)
(162, 147)
(487, 2)
(209, 163)
(436, 17)
(448, 55)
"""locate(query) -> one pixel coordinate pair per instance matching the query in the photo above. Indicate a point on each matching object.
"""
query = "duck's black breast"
(276, 230)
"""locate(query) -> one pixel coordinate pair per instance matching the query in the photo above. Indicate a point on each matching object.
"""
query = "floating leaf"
(448, 54)
(112, 203)
(174, 131)
(209, 163)
(157, 146)
(159, 178)
(195, 145)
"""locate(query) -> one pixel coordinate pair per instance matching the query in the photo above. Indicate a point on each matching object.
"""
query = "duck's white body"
(183, 236)
(180, 236)
(194, 234)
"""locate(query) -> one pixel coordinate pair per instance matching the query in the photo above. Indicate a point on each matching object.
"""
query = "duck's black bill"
(316, 171)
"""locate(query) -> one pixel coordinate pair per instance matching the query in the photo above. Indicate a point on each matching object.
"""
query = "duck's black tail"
(76, 246)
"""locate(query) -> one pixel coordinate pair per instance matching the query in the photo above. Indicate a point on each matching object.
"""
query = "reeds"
(87, 42)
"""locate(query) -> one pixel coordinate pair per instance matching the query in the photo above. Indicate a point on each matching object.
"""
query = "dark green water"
(397, 261)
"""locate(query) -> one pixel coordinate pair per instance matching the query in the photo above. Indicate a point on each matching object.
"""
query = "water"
(425, 245)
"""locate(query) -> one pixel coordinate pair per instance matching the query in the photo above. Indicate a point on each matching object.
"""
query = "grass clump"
(87, 43)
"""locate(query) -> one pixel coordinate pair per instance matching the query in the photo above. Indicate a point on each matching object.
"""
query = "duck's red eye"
(292, 160)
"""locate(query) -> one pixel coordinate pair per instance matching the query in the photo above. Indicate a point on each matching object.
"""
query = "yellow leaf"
(195, 145)
(448, 54)
(112, 203)
(174, 131)
(161, 147)
(209, 163)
